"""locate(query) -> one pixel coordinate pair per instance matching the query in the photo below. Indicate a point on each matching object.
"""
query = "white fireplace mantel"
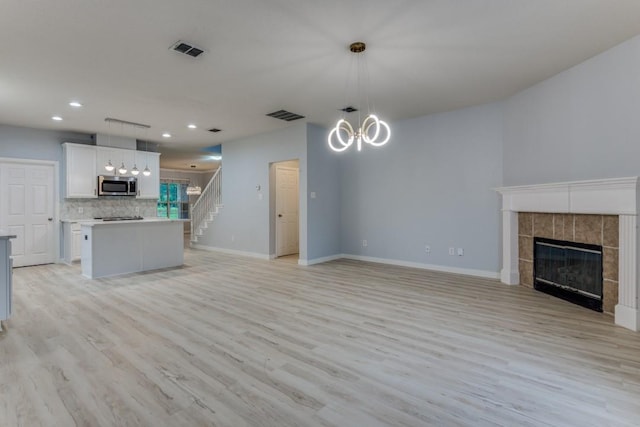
(618, 196)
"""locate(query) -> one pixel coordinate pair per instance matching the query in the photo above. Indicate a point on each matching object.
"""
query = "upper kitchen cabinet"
(80, 163)
(115, 156)
(148, 186)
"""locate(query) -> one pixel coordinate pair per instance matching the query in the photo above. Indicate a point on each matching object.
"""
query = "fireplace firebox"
(569, 270)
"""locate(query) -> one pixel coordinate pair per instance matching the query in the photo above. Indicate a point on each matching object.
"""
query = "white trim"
(230, 251)
(433, 267)
(615, 196)
(307, 262)
(627, 317)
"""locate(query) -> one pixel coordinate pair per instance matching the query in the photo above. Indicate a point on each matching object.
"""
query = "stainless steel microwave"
(117, 186)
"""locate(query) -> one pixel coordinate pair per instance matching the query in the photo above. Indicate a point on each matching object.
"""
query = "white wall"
(432, 184)
(583, 123)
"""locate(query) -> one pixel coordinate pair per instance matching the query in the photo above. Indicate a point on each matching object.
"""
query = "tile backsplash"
(104, 207)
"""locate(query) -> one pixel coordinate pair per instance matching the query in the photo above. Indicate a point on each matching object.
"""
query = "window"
(173, 202)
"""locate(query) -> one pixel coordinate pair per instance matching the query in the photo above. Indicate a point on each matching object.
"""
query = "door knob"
(50, 219)
(279, 215)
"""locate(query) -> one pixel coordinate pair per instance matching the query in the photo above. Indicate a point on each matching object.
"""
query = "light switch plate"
(313, 194)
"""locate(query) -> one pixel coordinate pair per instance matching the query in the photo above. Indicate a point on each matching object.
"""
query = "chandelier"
(372, 130)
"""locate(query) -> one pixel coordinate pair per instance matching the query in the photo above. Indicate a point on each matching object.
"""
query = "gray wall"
(243, 224)
(583, 123)
(37, 144)
(323, 212)
(432, 184)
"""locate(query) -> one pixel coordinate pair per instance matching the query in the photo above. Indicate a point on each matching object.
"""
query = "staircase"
(205, 209)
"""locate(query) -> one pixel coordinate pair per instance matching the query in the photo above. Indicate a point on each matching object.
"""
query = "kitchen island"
(110, 248)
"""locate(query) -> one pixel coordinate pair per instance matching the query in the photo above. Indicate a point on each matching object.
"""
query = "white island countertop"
(99, 222)
(111, 248)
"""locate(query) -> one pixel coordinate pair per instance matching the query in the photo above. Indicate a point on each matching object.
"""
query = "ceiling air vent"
(215, 130)
(187, 49)
(285, 115)
(349, 109)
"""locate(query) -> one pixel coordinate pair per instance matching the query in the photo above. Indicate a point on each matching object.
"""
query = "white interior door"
(27, 210)
(286, 211)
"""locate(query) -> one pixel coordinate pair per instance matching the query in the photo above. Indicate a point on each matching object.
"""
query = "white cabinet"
(117, 157)
(6, 278)
(72, 237)
(80, 163)
(148, 186)
(85, 162)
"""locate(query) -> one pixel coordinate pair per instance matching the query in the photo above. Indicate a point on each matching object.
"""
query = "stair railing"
(207, 203)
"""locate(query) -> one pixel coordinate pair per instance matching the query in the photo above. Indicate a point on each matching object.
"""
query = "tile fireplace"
(596, 212)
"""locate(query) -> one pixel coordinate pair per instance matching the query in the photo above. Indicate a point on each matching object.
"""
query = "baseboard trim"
(627, 317)
(445, 269)
(307, 262)
(230, 251)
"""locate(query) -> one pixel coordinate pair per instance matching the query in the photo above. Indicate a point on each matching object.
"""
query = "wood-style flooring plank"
(233, 341)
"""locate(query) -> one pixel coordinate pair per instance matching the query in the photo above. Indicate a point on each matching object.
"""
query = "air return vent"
(285, 115)
(187, 49)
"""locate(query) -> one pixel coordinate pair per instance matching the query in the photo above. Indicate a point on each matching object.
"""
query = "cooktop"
(120, 218)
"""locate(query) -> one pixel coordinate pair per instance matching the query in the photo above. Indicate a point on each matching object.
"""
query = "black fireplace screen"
(569, 270)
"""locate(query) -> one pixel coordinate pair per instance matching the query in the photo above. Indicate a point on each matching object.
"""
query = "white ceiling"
(424, 56)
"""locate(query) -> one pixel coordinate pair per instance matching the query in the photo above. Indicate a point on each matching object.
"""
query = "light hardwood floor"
(233, 341)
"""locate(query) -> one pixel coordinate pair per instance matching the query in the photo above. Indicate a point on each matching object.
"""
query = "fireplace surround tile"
(563, 227)
(526, 273)
(525, 223)
(609, 296)
(525, 247)
(588, 229)
(610, 233)
(610, 263)
(543, 225)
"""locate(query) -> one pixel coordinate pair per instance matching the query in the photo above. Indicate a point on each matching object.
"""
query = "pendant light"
(193, 190)
(122, 169)
(371, 130)
(146, 171)
(109, 166)
(135, 171)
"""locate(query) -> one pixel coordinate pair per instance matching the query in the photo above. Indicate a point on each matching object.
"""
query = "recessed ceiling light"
(75, 104)
(192, 126)
(166, 135)
(56, 118)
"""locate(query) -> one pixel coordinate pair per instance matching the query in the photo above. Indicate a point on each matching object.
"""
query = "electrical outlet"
(137, 209)
(460, 251)
(80, 210)
(427, 249)
(233, 238)
(364, 243)
(452, 251)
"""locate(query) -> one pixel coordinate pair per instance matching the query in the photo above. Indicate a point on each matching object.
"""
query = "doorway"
(286, 213)
(27, 210)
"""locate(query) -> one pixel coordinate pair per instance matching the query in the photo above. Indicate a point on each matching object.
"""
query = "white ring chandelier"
(372, 131)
